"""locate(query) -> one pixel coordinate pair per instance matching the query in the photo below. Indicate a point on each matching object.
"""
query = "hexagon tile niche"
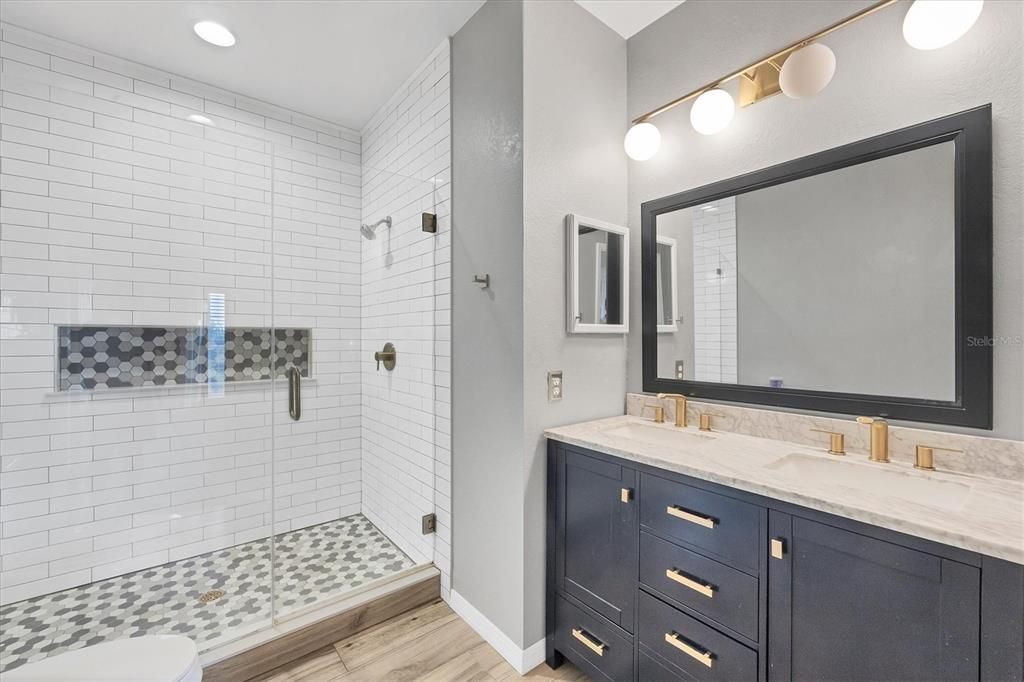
(119, 357)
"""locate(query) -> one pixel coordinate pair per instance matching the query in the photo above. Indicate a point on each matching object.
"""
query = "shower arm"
(386, 220)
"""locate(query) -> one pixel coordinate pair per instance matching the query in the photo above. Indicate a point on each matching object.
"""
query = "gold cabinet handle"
(704, 657)
(626, 494)
(592, 644)
(778, 548)
(681, 578)
(705, 521)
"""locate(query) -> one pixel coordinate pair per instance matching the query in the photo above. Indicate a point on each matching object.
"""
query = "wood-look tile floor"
(427, 643)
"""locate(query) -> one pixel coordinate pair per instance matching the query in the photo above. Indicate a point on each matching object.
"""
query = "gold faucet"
(659, 412)
(879, 438)
(680, 406)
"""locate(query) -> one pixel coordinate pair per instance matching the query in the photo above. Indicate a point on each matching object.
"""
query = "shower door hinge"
(429, 222)
(429, 523)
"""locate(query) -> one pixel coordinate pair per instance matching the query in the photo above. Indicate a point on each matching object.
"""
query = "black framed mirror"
(856, 280)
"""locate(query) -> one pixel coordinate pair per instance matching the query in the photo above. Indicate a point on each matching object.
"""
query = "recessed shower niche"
(133, 357)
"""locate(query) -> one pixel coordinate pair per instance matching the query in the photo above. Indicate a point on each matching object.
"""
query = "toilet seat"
(153, 658)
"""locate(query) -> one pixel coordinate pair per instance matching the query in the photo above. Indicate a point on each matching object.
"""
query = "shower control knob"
(387, 356)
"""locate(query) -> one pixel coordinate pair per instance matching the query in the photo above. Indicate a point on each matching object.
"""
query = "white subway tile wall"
(714, 291)
(116, 210)
(406, 278)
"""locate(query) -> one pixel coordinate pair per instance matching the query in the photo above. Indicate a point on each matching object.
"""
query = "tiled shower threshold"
(184, 597)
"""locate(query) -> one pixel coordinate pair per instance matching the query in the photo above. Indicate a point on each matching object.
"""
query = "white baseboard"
(523, 660)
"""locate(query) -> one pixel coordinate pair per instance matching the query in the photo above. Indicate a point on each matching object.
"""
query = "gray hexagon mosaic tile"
(211, 598)
(92, 358)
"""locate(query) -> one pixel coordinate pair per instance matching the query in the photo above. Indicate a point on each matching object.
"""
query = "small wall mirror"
(597, 268)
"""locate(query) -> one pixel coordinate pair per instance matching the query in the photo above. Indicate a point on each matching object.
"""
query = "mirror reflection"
(599, 276)
(666, 266)
(843, 281)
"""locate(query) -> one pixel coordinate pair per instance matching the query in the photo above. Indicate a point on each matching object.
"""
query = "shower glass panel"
(331, 535)
(137, 336)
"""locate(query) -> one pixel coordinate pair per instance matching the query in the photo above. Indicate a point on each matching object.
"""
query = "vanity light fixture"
(214, 33)
(811, 71)
(931, 24)
(807, 71)
(712, 111)
(642, 141)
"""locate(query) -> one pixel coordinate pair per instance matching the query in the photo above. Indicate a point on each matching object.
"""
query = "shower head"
(370, 231)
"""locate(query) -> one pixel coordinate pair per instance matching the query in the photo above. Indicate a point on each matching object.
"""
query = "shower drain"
(212, 595)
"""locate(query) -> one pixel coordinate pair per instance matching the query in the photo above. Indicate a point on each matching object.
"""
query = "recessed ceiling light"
(199, 118)
(214, 33)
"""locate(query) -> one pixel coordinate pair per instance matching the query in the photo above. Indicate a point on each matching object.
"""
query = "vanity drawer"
(715, 590)
(700, 651)
(598, 647)
(720, 526)
(651, 670)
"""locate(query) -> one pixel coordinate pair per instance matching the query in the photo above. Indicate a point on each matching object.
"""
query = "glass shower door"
(353, 474)
(135, 337)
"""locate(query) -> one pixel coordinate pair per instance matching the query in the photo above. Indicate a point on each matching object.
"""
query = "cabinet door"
(845, 606)
(597, 551)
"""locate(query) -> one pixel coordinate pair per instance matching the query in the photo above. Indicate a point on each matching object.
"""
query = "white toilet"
(153, 658)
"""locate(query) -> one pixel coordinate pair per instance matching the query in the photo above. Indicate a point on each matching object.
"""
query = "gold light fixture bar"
(773, 58)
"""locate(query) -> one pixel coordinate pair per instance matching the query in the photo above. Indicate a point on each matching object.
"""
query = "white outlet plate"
(555, 388)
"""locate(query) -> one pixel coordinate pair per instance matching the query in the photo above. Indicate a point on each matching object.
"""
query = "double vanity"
(706, 541)
(677, 553)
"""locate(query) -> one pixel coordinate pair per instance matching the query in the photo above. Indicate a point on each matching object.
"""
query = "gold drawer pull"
(688, 649)
(674, 574)
(625, 495)
(778, 548)
(705, 521)
(591, 644)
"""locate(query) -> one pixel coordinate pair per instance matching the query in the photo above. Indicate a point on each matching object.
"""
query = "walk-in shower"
(171, 251)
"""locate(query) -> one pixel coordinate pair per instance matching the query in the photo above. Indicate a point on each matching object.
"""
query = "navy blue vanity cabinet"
(705, 582)
(845, 606)
(596, 557)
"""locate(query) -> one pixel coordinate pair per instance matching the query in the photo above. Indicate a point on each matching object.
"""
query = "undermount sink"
(876, 479)
(655, 435)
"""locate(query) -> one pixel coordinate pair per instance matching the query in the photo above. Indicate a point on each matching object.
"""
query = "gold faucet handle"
(705, 420)
(924, 456)
(837, 441)
(659, 412)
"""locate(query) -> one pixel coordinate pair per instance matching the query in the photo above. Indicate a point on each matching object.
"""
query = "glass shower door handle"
(294, 393)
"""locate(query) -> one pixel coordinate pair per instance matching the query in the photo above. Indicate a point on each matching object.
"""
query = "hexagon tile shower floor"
(312, 563)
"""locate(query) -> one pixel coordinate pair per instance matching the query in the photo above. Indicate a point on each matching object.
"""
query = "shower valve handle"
(388, 356)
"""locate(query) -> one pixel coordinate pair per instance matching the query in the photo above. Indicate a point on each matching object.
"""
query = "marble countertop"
(976, 513)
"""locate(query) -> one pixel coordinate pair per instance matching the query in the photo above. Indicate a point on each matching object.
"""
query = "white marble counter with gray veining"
(976, 513)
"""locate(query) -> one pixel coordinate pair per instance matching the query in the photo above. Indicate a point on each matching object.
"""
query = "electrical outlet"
(679, 369)
(554, 386)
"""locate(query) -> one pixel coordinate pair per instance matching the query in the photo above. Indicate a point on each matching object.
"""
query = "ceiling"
(339, 61)
(628, 17)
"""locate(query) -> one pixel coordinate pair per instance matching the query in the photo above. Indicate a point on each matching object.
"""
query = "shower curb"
(293, 639)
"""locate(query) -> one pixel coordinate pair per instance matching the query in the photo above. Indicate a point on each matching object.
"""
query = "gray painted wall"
(487, 325)
(564, 73)
(574, 104)
(847, 279)
(881, 84)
